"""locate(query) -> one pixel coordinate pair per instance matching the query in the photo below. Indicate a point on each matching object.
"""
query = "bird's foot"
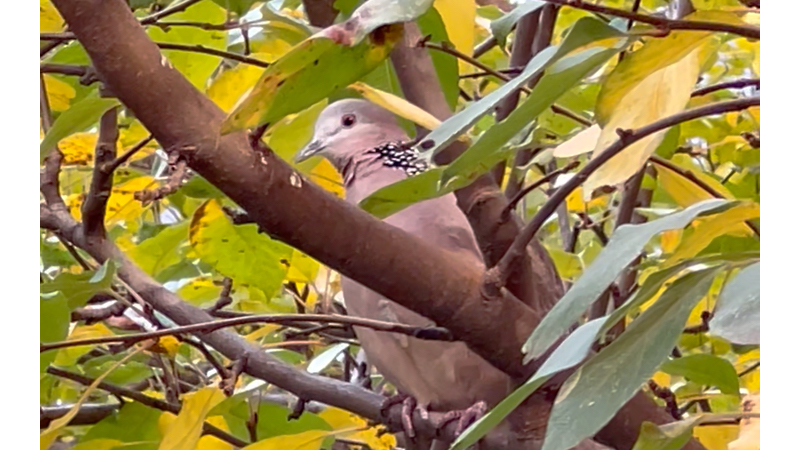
(407, 414)
(465, 417)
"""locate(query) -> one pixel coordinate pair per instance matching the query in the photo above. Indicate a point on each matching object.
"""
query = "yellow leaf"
(233, 84)
(68, 355)
(326, 177)
(749, 429)
(49, 18)
(48, 436)
(397, 105)
(341, 421)
(167, 345)
(706, 229)
(458, 17)
(302, 268)
(659, 94)
(670, 240)
(78, 148)
(184, 432)
(662, 379)
(583, 142)
(684, 191)
(131, 135)
(59, 93)
(751, 380)
(307, 440)
(575, 201)
(755, 111)
(716, 437)
(265, 330)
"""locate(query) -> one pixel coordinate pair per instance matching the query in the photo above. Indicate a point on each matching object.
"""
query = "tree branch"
(663, 23)
(735, 84)
(145, 400)
(93, 210)
(498, 274)
(432, 333)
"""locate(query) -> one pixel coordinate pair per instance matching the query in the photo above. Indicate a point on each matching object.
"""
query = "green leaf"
(162, 250)
(502, 26)
(596, 391)
(737, 314)
(133, 423)
(78, 117)
(671, 436)
(570, 353)
(622, 249)
(53, 324)
(79, 288)
(239, 252)
(559, 78)
(705, 369)
(395, 197)
(196, 67)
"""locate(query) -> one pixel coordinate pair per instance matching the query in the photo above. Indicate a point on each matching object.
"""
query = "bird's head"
(349, 128)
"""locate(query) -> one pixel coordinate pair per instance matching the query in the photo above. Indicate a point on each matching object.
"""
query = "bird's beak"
(308, 151)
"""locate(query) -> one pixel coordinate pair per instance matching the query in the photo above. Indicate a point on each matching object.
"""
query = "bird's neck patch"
(400, 155)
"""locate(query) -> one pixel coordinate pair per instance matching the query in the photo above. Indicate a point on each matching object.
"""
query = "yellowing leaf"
(583, 142)
(341, 420)
(238, 252)
(98, 444)
(265, 330)
(659, 94)
(48, 436)
(59, 93)
(684, 191)
(49, 18)
(705, 229)
(68, 355)
(167, 345)
(228, 88)
(130, 136)
(397, 105)
(302, 268)
(755, 111)
(575, 201)
(716, 437)
(78, 148)
(458, 17)
(184, 432)
(307, 440)
(670, 240)
(326, 176)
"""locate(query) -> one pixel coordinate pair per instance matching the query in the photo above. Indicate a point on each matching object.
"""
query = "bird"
(369, 149)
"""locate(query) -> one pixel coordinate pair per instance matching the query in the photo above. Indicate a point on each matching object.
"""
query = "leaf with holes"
(239, 252)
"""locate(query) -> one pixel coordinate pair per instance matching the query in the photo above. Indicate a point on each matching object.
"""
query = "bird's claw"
(465, 417)
(407, 414)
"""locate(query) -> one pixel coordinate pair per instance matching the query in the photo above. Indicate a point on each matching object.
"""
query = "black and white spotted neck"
(401, 156)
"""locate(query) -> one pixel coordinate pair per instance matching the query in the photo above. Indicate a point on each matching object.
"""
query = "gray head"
(348, 128)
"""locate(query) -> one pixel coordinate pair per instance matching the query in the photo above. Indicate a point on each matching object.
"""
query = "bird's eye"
(348, 120)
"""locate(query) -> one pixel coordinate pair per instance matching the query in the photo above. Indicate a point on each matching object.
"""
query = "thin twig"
(64, 69)
(735, 84)
(212, 51)
(484, 47)
(521, 194)
(145, 400)
(432, 333)
(689, 175)
(661, 22)
(496, 277)
(179, 7)
(113, 165)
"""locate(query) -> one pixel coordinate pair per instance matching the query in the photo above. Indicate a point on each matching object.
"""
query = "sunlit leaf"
(59, 93)
(49, 18)
(162, 250)
(78, 117)
(340, 419)
(307, 440)
(184, 432)
(196, 67)
(239, 252)
(227, 88)
(397, 105)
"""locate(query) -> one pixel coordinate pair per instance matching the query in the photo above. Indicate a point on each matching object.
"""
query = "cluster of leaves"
(697, 254)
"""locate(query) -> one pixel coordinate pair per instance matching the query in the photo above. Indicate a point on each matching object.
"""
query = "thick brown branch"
(500, 272)
(663, 23)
